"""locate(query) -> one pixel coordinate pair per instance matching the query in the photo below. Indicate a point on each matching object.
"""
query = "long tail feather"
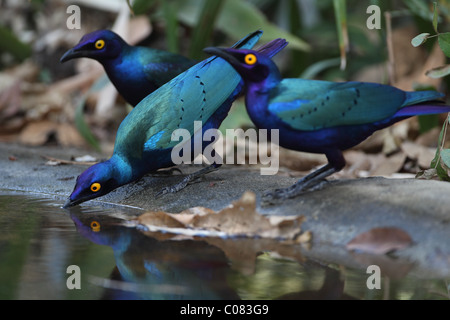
(249, 40)
(416, 97)
(422, 109)
(271, 48)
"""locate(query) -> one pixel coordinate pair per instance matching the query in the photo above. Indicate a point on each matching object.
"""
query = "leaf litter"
(238, 230)
(239, 220)
(380, 240)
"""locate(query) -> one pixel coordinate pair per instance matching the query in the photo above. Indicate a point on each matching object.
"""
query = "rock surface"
(334, 215)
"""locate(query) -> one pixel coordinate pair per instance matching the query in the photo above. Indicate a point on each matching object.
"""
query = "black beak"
(69, 203)
(223, 53)
(72, 54)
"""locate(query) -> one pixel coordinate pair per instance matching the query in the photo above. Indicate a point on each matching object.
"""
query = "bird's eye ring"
(250, 59)
(95, 187)
(95, 226)
(100, 44)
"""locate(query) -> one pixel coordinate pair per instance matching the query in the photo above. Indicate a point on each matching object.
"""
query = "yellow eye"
(95, 187)
(250, 59)
(99, 44)
(95, 226)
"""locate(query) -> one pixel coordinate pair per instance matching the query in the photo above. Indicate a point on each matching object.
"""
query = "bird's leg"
(188, 179)
(311, 182)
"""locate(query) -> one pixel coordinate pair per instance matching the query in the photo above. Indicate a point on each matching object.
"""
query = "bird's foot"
(187, 180)
(277, 196)
(177, 187)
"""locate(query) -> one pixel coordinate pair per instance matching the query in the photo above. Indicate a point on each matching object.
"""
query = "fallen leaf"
(300, 161)
(10, 100)
(429, 138)
(238, 220)
(68, 136)
(37, 133)
(391, 165)
(380, 240)
(85, 158)
(422, 154)
(243, 252)
(160, 219)
(428, 174)
(55, 161)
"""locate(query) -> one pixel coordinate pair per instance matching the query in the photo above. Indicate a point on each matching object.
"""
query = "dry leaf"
(422, 154)
(37, 133)
(160, 219)
(242, 252)
(300, 161)
(10, 100)
(54, 161)
(238, 220)
(391, 165)
(67, 135)
(428, 174)
(380, 240)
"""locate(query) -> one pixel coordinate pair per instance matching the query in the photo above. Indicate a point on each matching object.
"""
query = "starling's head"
(99, 45)
(252, 65)
(96, 181)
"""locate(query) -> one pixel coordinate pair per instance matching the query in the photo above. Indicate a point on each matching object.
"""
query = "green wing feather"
(194, 95)
(312, 105)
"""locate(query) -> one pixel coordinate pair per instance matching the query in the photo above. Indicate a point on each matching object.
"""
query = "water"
(39, 241)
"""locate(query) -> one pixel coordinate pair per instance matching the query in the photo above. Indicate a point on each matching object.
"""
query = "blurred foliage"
(328, 39)
(441, 162)
(317, 31)
(11, 44)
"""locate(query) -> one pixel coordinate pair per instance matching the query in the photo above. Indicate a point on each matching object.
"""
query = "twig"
(390, 46)
(61, 161)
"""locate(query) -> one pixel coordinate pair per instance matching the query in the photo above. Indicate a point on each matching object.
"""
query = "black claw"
(161, 193)
(273, 197)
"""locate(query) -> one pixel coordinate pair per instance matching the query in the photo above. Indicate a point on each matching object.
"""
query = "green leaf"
(444, 43)
(205, 26)
(82, 126)
(420, 39)
(80, 123)
(428, 122)
(439, 72)
(237, 117)
(340, 12)
(419, 7)
(316, 68)
(10, 43)
(442, 173)
(239, 15)
(445, 156)
(141, 6)
(237, 19)
(435, 17)
(170, 16)
(436, 162)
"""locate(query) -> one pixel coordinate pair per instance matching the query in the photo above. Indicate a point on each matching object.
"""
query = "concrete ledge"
(335, 214)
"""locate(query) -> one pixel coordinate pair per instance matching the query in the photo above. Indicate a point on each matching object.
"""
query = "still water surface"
(39, 241)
